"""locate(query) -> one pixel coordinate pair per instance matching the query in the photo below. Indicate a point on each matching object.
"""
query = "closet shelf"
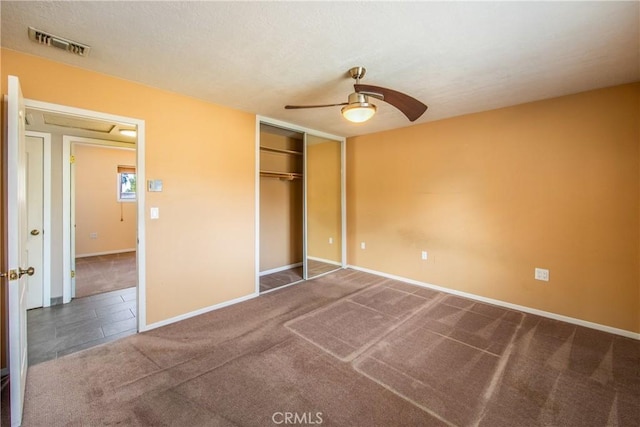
(284, 176)
(280, 150)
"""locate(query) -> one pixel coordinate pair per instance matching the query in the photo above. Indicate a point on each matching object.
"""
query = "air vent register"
(47, 39)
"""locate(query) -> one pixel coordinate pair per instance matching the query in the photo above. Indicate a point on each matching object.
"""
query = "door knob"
(35, 232)
(29, 272)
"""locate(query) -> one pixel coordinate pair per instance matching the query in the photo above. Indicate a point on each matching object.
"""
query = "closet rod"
(285, 176)
(281, 150)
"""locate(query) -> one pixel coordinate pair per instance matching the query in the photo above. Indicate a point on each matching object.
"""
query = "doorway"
(103, 187)
(107, 313)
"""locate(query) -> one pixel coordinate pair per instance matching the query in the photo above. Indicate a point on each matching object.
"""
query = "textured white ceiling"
(457, 57)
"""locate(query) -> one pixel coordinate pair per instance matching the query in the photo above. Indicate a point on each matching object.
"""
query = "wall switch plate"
(541, 274)
(331, 240)
(154, 213)
(424, 255)
(363, 245)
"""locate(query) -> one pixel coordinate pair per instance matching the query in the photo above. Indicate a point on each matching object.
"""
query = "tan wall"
(324, 215)
(551, 184)
(97, 207)
(281, 205)
(200, 252)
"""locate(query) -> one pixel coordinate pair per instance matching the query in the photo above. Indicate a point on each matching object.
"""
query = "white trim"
(141, 252)
(140, 170)
(326, 261)
(66, 221)
(199, 312)
(257, 211)
(305, 204)
(46, 294)
(71, 185)
(117, 251)
(301, 129)
(91, 142)
(344, 202)
(279, 269)
(554, 316)
(46, 214)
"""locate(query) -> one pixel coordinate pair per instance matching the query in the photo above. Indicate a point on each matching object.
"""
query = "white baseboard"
(118, 251)
(326, 261)
(580, 322)
(279, 269)
(199, 312)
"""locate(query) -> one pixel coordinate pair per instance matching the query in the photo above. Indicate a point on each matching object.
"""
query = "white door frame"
(46, 217)
(140, 171)
(69, 193)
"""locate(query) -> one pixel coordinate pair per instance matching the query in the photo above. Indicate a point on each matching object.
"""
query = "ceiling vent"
(47, 39)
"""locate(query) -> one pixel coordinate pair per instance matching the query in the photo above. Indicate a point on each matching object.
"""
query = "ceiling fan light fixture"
(359, 112)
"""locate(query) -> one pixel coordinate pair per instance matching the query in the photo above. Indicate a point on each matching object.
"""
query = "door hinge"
(72, 159)
(73, 274)
(12, 274)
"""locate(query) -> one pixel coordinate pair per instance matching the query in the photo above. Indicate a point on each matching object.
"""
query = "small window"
(127, 184)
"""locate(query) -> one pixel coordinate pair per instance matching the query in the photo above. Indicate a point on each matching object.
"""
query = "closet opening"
(282, 225)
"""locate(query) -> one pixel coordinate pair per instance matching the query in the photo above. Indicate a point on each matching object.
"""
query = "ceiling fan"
(358, 109)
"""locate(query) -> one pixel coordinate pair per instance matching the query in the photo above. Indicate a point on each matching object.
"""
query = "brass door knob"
(35, 232)
(29, 272)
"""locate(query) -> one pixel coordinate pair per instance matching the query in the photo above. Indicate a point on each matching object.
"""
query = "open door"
(17, 254)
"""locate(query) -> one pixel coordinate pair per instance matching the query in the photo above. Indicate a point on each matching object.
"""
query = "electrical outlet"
(331, 240)
(93, 235)
(363, 245)
(424, 255)
(541, 274)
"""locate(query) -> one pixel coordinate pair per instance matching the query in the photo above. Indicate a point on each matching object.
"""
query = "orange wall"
(551, 184)
(201, 250)
(97, 207)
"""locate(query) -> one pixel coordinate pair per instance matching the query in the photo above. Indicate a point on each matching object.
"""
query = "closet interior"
(301, 206)
(281, 207)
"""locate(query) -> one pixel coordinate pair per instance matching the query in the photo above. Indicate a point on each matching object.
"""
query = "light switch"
(155, 213)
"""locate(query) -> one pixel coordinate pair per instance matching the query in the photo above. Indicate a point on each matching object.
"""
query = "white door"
(35, 220)
(17, 255)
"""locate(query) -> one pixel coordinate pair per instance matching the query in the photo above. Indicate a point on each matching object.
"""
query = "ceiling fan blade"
(296, 107)
(411, 107)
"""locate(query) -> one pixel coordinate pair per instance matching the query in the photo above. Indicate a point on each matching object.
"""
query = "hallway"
(59, 330)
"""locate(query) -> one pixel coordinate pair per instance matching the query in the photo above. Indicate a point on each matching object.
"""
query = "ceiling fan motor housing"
(358, 98)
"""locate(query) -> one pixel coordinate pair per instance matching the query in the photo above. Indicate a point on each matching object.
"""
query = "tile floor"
(63, 329)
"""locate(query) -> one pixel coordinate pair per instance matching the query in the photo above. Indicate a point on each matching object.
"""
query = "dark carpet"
(347, 349)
